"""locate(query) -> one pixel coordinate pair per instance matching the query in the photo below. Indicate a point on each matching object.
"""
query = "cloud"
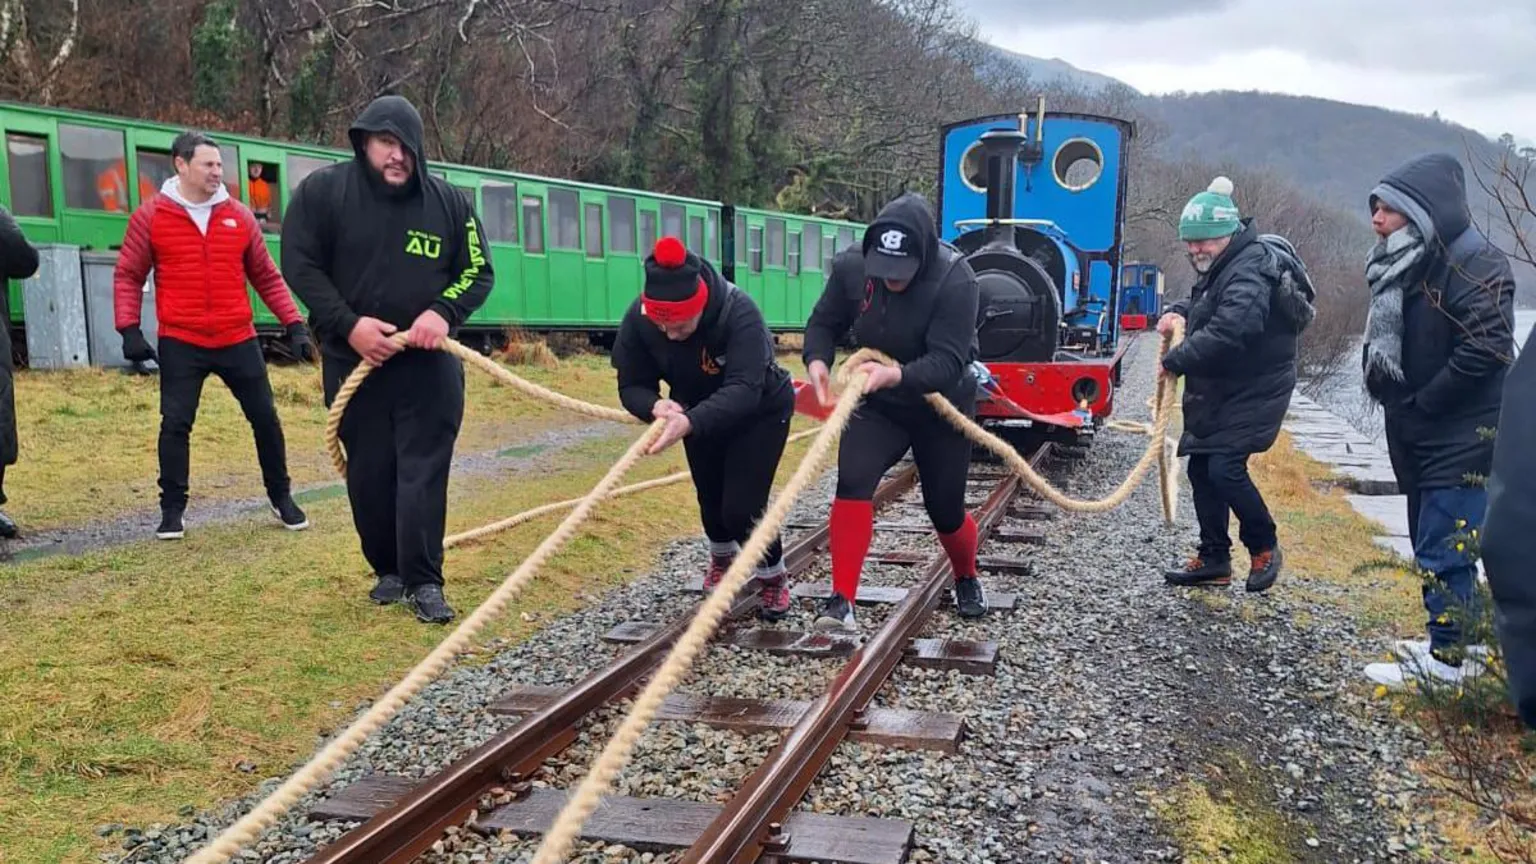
(1468, 60)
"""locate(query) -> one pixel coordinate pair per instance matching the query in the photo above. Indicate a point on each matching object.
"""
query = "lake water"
(1345, 396)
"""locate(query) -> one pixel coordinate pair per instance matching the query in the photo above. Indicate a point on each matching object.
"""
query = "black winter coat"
(723, 374)
(929, 327)
(18, 260)
(1508, 524)
(1238, 355)
(1458, 337)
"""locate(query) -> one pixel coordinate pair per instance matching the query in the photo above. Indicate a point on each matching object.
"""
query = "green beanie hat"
(1210, 214)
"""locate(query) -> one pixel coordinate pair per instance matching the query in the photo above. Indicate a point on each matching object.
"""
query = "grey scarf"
(1391, 265)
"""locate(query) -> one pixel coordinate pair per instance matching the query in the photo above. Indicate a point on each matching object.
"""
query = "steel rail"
(401, 832)
(750, 825)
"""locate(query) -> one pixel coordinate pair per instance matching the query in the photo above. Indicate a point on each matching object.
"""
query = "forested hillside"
(825, 106)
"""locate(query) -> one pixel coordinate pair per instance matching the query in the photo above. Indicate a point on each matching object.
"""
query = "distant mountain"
(1001, 63)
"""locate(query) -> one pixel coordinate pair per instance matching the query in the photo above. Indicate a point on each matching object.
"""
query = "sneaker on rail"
(1198, 571)
(773, 598)
(289, 514)
(171, 527)
(836, 614)
(430, 606)
(1265, 569)
(389, 589)
(718, 564)
(970, 599)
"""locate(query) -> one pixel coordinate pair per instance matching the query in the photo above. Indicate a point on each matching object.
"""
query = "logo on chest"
(869, 295)
(710, 365)
(423, 244)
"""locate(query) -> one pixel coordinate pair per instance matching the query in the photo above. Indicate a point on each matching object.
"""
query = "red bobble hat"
(674, 287)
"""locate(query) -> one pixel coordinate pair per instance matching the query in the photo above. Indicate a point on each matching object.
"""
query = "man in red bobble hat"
(729, 401)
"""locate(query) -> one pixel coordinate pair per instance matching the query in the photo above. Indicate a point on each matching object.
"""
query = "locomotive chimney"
(1000, 148)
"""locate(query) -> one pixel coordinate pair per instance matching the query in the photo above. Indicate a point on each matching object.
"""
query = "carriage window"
(621, 224)
(500, 212)
(672, 220)
(810, 255)
(300, 167)
(712, 239)
(95, 170)
(775, 242)
(229, 157)
(828, 249)
(154, 169)
(30, 191)
(844, 238)
(696, 235)
(468, 192)
(647, 231)
(794, 254)
(741, 233)
(564, 219)
(755, 248)
(262, 193)
(533, 224)
(594, 213)
(1149, 278)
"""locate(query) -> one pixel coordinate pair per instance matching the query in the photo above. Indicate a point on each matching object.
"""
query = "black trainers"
(389, 589)
(430, 606)
(8, 529)
(1264, 570)
(1201, 572)
(171, 527)
(836, 614)
(970, 600)
(289, 513)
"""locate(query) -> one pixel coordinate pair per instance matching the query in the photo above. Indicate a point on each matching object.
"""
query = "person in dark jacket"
(1511, 513)
(372, 247)
(914, 298)
(729, 401)
(18, 260)
(1238, 359)
(1438, 342)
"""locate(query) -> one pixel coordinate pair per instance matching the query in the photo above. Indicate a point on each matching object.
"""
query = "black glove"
(134, 346)
(299, 343)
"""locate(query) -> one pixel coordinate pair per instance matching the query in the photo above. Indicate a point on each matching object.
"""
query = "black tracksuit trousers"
(183, 368)
(399, 431)
(733, 477)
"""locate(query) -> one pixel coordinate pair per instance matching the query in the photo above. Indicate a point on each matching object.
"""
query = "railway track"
(490, 788)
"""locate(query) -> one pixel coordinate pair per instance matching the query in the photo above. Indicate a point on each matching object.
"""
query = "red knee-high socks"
(961, 548)
(853, 524)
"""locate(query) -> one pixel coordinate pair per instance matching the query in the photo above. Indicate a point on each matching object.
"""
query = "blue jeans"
(1432, 518)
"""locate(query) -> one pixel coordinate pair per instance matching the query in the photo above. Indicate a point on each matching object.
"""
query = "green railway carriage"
(567, 255)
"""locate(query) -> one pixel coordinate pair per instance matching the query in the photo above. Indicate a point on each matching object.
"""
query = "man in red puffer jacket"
(203, 246)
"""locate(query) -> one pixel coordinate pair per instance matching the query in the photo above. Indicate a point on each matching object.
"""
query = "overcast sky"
(1472, 60)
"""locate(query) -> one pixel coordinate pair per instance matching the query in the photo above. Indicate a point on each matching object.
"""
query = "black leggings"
(878, 436)
(733, 475)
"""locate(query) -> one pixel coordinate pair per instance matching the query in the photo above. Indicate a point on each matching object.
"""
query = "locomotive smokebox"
(1000, 149)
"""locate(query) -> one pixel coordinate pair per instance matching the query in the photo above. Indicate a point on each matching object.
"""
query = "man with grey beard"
(1250, 301)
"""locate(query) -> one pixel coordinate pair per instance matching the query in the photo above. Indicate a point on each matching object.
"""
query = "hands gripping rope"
(561, 837)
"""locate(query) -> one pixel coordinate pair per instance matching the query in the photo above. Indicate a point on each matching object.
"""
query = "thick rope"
(496, 370)
(562, 836)
(1155, 452)
(528, 515)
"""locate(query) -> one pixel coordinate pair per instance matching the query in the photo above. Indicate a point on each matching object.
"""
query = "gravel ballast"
(1112, 691)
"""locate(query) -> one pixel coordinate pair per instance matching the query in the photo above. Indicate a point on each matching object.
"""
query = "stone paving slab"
(1362, 465)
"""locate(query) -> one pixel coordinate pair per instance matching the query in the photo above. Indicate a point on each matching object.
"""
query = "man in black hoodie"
(914, 298)
(729, 401)
(1438, 341)
(1511, 513)
(372, 247)
(18, 260)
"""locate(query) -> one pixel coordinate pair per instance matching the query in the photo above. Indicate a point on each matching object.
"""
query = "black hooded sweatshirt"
(723, 374)
(929, 328)
(353, 245)
(1458, 338)
(1511, 513)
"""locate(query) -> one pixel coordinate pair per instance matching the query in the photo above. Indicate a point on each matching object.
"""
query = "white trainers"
(1415, 666)
(1418, 650)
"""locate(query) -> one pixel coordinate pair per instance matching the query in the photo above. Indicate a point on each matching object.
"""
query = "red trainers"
(773, 599)
(716, 572)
